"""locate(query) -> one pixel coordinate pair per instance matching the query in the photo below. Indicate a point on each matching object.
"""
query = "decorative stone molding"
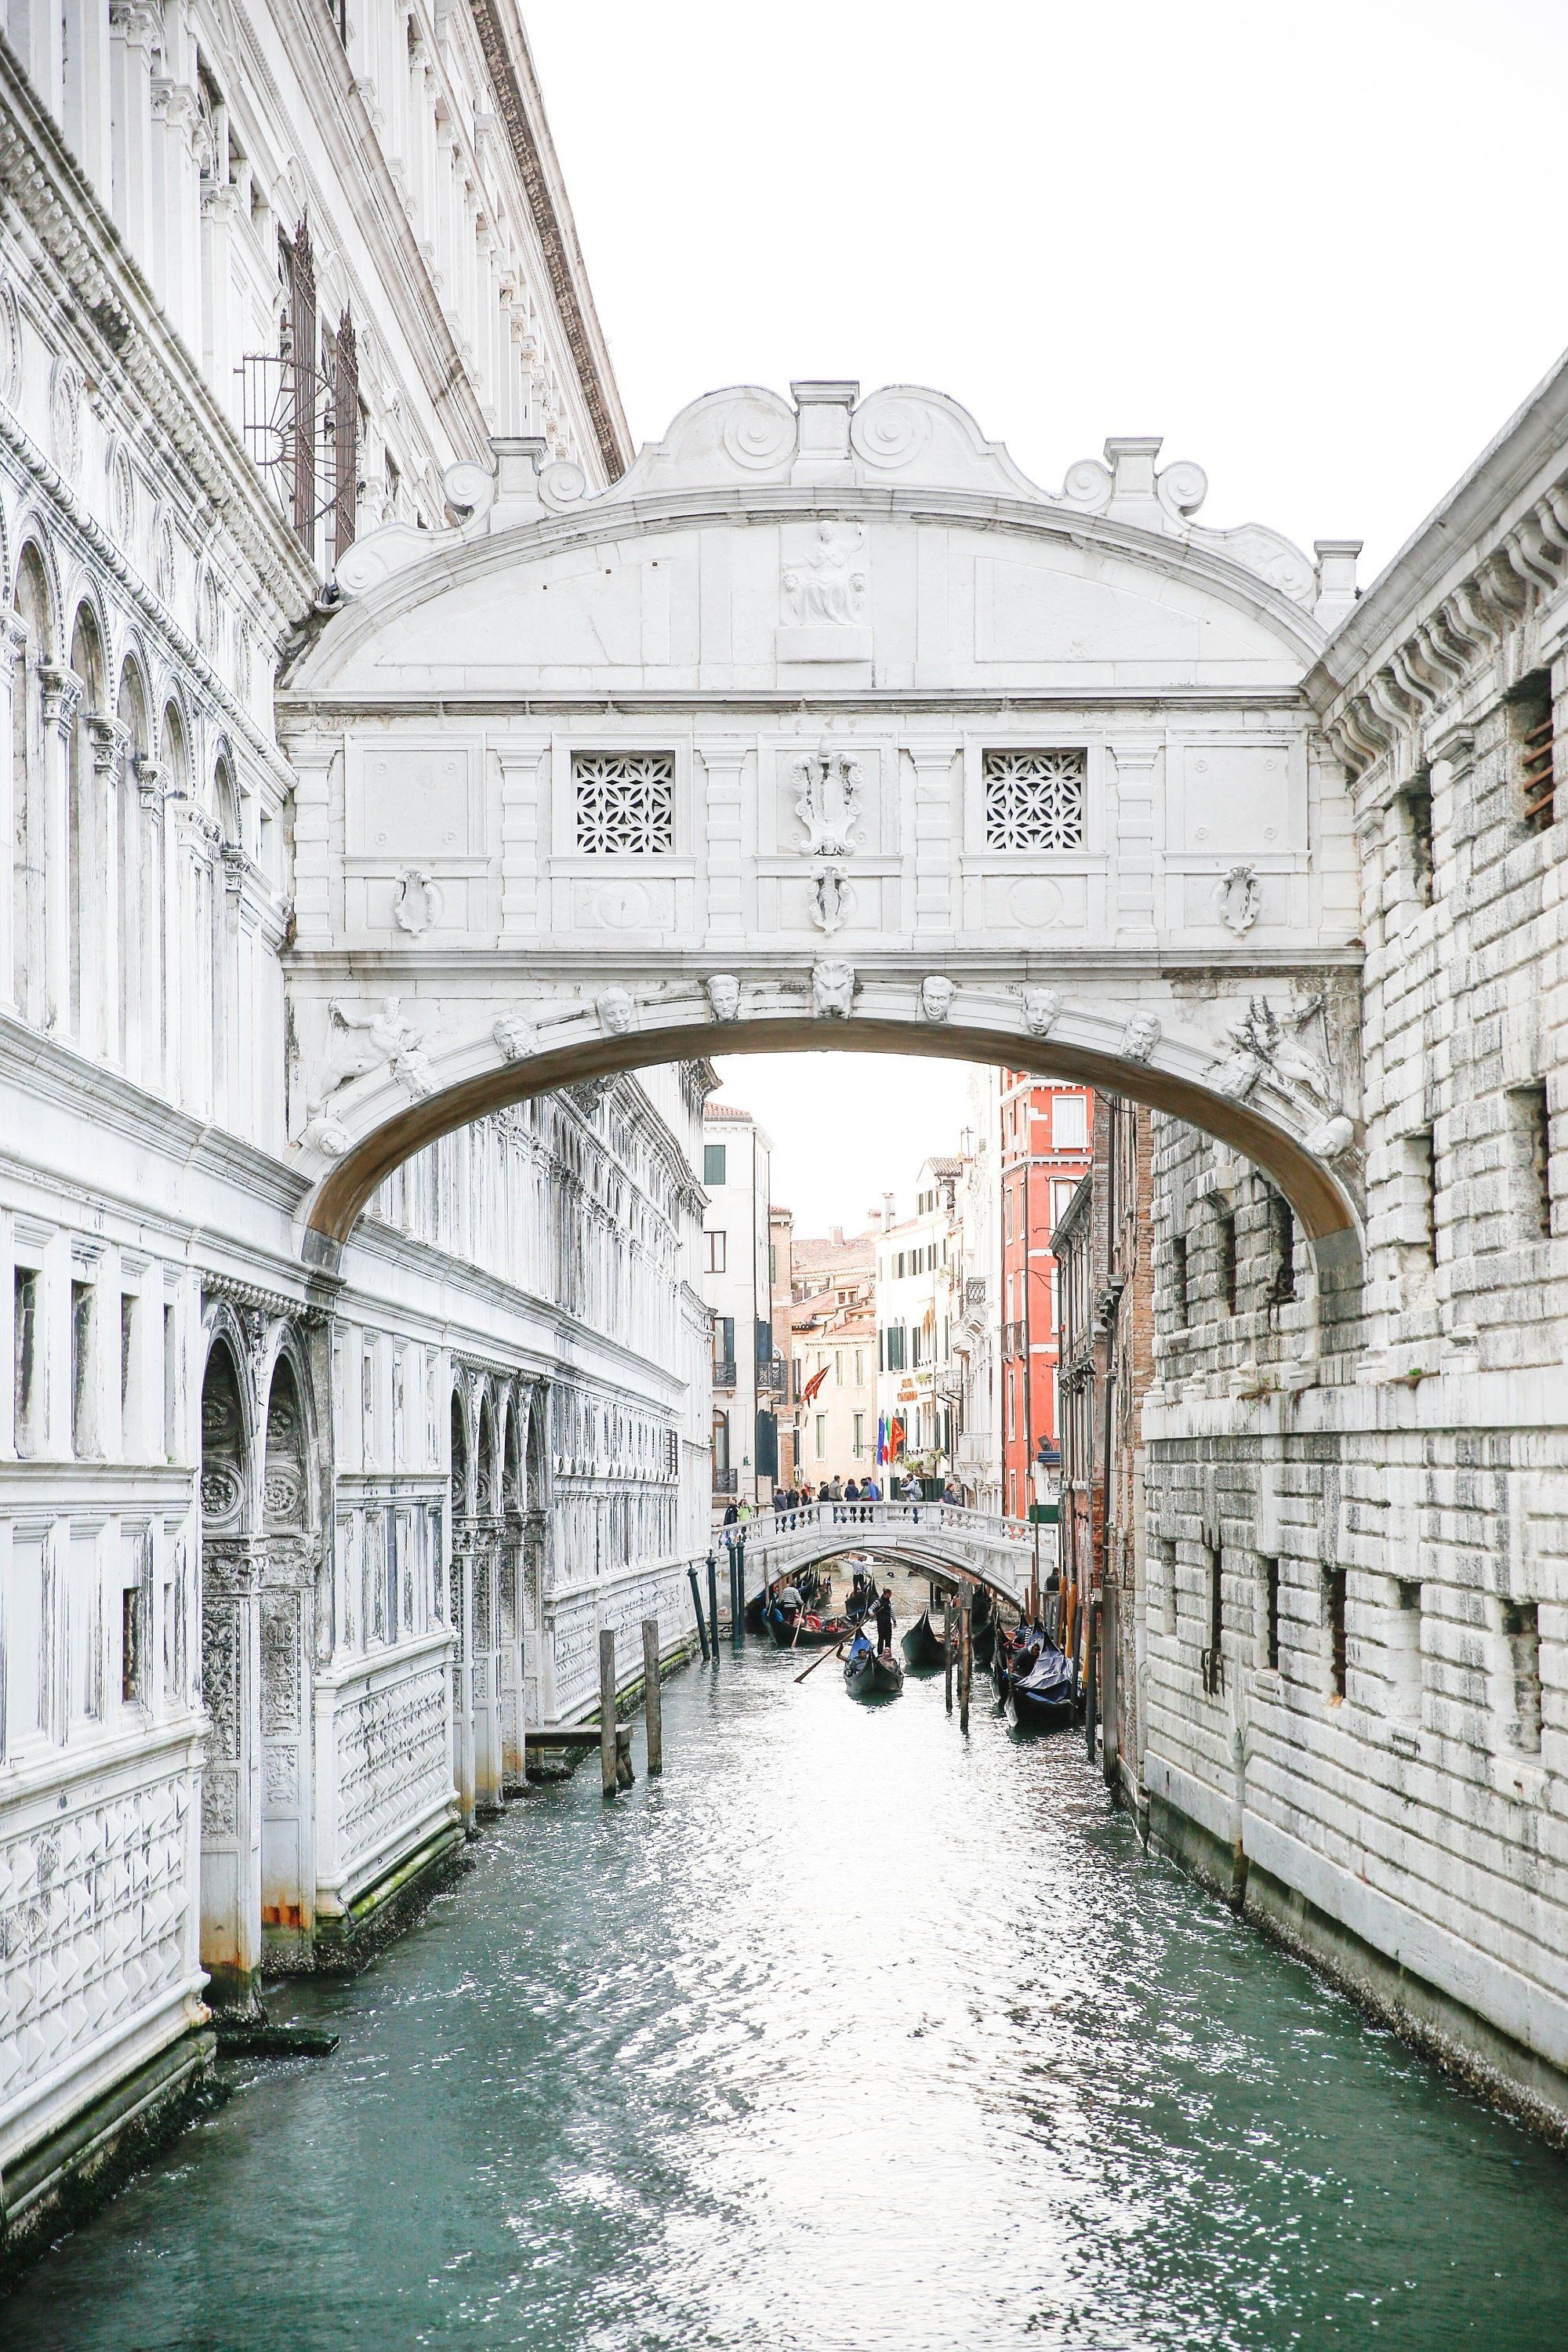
(62, 694)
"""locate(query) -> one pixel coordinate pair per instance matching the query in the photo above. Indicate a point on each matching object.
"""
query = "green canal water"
(844, 2035)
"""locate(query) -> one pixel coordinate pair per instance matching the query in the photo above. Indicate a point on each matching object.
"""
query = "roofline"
(1442, 551)
(509, 63)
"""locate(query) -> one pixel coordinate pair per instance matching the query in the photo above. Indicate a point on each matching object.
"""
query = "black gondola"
(1044, 1699)
(983, 1630)
(871, 1673)
(923, 1648)
(806, 1632)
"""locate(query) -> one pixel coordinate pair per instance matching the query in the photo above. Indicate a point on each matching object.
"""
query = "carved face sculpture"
(1041, 1006)
(617, 1013)
(1327, 1141)
(833, 988)
(1140, 1037)
(724, 995)
(937, 993)
(514, 1035)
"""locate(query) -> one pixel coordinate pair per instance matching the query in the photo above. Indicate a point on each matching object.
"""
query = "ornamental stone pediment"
(764, 547)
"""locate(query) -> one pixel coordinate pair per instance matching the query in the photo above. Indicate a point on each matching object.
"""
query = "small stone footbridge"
(946, 1541)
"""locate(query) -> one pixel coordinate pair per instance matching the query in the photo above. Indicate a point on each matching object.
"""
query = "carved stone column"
(520, 796)
(1137, 914)
(13, 682)
(936, 835)
(62, 695)
(286, 1649)
(147, 1011)
(231, 1773)
(460, 1617)
(725, 848)
(110, 741)
(131, 27)
(489, 1770)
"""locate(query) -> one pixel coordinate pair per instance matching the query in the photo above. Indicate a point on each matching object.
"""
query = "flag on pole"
(809, 1393)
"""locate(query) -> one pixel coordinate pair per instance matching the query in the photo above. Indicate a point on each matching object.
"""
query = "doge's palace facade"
(286, 1564)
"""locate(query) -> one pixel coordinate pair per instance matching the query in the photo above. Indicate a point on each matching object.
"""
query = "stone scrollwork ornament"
(1237, 899)
(515, 1037)
(937, 993)
(829, 805)
(616, 1011)
(1140, 1037)
(417, 901)
(1042, 1008)
(724, 994)
(832, 989)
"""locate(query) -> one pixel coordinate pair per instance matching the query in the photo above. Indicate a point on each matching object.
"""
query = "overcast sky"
(1315, 246)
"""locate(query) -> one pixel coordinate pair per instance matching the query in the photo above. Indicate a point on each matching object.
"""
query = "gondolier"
(884, 1616)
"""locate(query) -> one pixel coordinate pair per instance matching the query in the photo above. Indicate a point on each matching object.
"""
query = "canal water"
(846, 2035)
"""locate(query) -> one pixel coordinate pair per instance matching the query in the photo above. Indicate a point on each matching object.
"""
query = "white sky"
(1313, 243)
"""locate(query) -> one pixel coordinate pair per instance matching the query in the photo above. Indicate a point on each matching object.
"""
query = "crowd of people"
(848, 1497)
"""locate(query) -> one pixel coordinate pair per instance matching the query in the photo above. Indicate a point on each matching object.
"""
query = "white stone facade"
(737, 1286)
(286, 1567)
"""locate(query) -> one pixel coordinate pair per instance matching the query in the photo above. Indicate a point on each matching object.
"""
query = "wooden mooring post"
(652, 1696)
(696, 1612)
(947, 1649)
(609, 1772)
(965, 1657)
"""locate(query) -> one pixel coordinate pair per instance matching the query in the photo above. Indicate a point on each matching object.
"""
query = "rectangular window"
(895, 1336)
(25, 1309)
(1281, 1250)
(860, 1434)
(1522, 1631)
(82, 1631)
(713, 1156)
(1530, 1150)
(1414, 810)
(1418, 1156)
(716, 1254)
(84, 1431)
(1270, 1569)
(1214, 1657)
(130, 1645)
(1224, 1260)
(822, 1437)
(1339, 1651)
(130, 1308)
(1179, 1280)
(624, 803)
(1069, 1122)
(171, 1388)
(859, 1368)
(1034, 800)
(1529, 712)
(721, 1445)
(773, 1264)
(26, 1683)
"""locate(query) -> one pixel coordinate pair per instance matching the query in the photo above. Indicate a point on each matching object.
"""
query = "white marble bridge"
(944, 1540)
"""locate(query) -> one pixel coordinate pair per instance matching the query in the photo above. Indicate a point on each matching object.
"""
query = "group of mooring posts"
(959, 1653)
(615, 1737)
(708, 1635)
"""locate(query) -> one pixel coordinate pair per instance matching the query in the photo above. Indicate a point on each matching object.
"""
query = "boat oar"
(839, 1652)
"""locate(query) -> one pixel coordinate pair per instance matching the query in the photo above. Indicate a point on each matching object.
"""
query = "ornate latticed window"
(1034, 800)
(624, 802)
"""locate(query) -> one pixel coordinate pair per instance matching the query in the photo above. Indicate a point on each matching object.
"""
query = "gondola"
(1015, 1655)
(870, 1673)
(1043, 1699)
(814, 1633)
(923, 1647)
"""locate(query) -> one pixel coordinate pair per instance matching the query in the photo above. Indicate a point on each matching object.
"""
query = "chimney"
(836, 1235)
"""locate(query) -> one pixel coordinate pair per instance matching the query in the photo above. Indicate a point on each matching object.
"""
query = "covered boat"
(1044, 1698)
(924, 1646)
(871, 1673)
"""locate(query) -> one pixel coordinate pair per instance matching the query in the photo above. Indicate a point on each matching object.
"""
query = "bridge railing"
(814, 1517)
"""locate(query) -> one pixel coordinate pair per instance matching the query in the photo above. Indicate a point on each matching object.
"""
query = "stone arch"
(35, 558)
(1286, 1137)
(175, 745)
(231, 1584)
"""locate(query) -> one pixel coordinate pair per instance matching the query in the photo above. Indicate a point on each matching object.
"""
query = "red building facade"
(1046, 1133)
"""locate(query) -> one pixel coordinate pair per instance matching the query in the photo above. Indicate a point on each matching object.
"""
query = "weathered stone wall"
(1375, 1538)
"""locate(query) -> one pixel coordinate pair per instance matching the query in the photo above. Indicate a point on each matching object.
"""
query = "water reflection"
(845, 2035)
